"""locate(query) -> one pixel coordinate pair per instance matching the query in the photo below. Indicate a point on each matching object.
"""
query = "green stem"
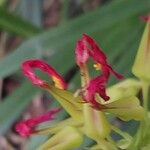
(110, 139)
(84, 75)
(142, 129)
(125, 135)
(89, 113)
(145, 88)
(103, 144)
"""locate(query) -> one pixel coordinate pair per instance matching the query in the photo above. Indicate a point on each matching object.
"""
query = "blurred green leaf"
(64, 37)
(2, 2)
(18, 56)
(16, 25)
(14, 104)
(64, 11)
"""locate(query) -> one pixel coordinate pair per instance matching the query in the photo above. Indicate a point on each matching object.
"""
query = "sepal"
(96, 125)
(141, 67)
(68, 101)
(68, 138)
(60, 125)
(123, 89)
(126, 109)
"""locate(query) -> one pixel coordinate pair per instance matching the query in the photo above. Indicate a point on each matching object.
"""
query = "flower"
(27, 127)
(87, 48)
(65, 98)
(27, 70)
(87, 118)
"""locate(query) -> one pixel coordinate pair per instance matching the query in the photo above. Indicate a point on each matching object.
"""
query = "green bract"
(141, 67)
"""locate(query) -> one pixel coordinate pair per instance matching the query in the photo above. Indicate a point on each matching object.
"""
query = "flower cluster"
(87, 111)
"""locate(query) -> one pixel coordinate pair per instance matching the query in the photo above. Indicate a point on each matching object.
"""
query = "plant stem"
(142, 129)
(122, 133)
(145, 88)
(145, 91)
(84, 75)
(110, 139)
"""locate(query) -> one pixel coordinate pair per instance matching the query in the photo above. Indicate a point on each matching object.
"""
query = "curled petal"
(99, 57)
(81, 53)
(67, 138)
(94, 50)
(87, 47)
(107, 69)
(27, 127)
(28, 66)
(96, 85)
(91, 49)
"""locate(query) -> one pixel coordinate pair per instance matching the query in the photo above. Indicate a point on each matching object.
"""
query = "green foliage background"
(116, 26)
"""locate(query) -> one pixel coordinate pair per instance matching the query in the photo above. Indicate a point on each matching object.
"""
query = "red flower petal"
(88, 46)
(94, 50)
(119, 76)
(27, 127)
(28, 66)
(96, 85)
(99, 57)
(81, 52)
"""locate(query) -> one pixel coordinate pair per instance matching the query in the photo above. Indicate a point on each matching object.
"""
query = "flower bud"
(141, 67)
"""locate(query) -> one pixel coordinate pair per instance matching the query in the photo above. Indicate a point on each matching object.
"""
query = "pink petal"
(94, 50)
(28, 66)
(23, 129)
(98, 84)
(99, 57)
(27, 127)
(119, 76)
(81, 52)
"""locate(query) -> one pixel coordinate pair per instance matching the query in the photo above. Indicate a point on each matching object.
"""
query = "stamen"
(57, 82)
(97, 66)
